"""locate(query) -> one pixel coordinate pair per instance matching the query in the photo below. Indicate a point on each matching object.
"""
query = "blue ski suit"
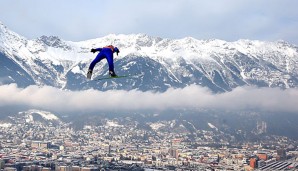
(105, 52)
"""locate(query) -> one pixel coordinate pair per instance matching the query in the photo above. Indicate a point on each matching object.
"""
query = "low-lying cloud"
(191, 97)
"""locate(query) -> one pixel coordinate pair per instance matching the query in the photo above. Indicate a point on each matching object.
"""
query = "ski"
(120, 76)
(105, 78)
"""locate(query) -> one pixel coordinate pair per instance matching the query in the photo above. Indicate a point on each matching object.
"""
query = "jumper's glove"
(116, 50)
(93, 50)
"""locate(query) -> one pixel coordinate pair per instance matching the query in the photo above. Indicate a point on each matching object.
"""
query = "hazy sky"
(229, 20)
(191, 97)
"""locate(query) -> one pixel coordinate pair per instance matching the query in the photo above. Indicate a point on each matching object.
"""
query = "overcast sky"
(229, 20)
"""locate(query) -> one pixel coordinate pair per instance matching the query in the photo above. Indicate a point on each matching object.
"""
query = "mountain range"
(152, 63)
(155, 64)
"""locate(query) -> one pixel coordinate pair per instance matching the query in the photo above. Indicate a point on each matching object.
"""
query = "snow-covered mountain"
(154, 63)
(31, 116)
(43, 114)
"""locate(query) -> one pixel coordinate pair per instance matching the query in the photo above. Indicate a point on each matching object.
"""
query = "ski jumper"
(105, 52)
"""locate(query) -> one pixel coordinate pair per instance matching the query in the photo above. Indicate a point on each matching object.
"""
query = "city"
(36, 145)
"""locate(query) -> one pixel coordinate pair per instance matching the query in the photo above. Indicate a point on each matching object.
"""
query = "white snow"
(212, 126)
(211, 54)
(112, 124)
(156, 126)
(87, 127)
(5, 125)
(46, 115)
(141, 44)
(29, 119)
(77, 70)
(172, 123)
(192, 125)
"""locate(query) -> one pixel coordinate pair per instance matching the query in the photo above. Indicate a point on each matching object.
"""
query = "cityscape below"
(31, 143)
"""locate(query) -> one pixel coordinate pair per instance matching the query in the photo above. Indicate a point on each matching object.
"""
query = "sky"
(230, 20)
(191, 97)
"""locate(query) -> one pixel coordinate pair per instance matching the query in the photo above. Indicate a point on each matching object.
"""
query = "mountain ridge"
(216, 64)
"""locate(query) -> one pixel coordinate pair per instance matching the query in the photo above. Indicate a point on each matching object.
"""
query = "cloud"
(191, 97)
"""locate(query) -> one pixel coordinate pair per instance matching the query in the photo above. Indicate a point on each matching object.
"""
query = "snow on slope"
(188, 48)
(155, 126)
(55, 49)
(218, 64)
(212, 126)
(5, 125)
(111, 123)
(44, 114)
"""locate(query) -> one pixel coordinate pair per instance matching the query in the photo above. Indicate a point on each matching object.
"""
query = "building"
(174, 153)
(40, 144)
(262, 156)
(2, 163)
(253, 162)
(281, 154)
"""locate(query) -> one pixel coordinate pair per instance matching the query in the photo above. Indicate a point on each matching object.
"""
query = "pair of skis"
(106, 78)
(119, 76)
